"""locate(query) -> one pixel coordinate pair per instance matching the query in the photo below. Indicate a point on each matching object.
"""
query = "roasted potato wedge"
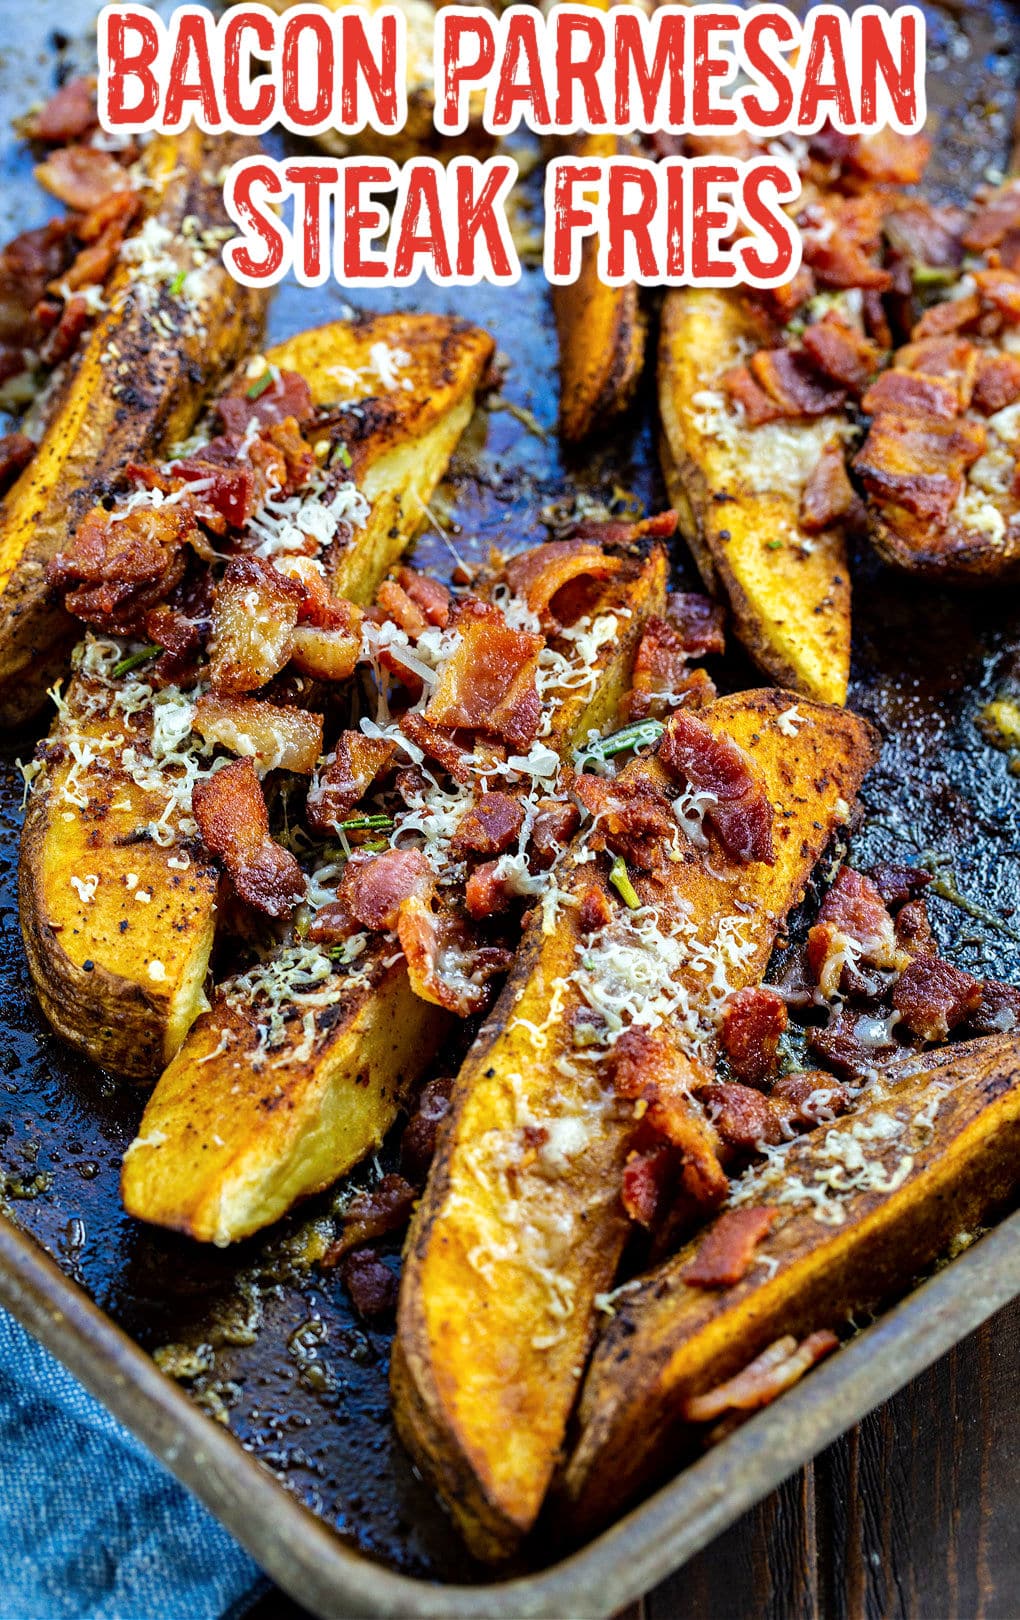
(510, 1246)
(137, 386)
(737, 491)
(114, 1009)
(926, 1157)
(602, 332)
(233, 1135)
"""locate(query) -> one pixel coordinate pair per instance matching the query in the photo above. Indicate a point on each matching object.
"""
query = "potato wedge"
(114, 1009)
(234, 1134)
(737, 491)
(925, 1158)
(137, 386)
(602, 332)
(510, 1246)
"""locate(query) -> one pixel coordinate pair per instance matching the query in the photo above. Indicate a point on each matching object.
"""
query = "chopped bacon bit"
(997, 218)
(115, 571)
(486, 893)
(634, 819)
(955, 359)
(371, 1285)
(492, 824)
(753, 1021)
(767, 1376)
(889, 157)
(783, 302)
(924, 235)
(726, 1252)
(332, 924)
(372, 1214)
(595, 912)
(255, 612)
(16, 451)
(913, 930)
(541, 573)
(374, 887)
(438, 745)
(94, 263)
(758, 406)
(660, 666)
(698, 621)
(345, 778)
(919, 465)
(69, 114)
(234, 491)
(444, 964)
(998, 382)
(932, 997)
(741, 814)
(808, 1098)
(840, 1044)
(418, 1143)
(741, 1116)
(489, 683)
(999, 1009)
(912, 394)
(855, 907)
(876, 322)
(842, 255)
(646, 1177)
(649, 1069)
(116, 208)
(829, 497)
(27, 265)
(433, 599)
(556, 821)
(63, 339)
(278, 738)
(842, 353)
(896, 883)
(81, 176)
(952, 315)
(790, 379)
(625, 531)
(234, 824)
(398, 606)
(286, 395)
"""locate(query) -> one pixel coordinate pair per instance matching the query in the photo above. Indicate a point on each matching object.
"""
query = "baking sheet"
(266, 1344)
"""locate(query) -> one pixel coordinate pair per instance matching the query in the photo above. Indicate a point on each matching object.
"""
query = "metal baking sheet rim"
(338, 1583)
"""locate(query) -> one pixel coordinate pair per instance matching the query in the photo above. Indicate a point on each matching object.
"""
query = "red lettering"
(315, 116)
(899, 78)
(633, 222)
(120, 63)
(710, 217)
(237, 54)
(256, 220)
(192, 53)
(706, 113)
(479, 215)
(521, 83)
(456, 28)
(819, 92)
(770, 221)
(774, 72)
(567, 217)
(358, 63)
(361, 217)
(421, 230)
(310, 178)
(574, 74)
(631, 63)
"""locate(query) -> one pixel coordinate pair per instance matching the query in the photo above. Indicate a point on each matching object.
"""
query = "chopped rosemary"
(641, 734)
(177, 284)
(260, 385)
(619, 877)
(135, 660)
(367, 824)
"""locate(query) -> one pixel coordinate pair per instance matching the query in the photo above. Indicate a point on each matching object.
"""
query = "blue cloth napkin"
(91, 1527)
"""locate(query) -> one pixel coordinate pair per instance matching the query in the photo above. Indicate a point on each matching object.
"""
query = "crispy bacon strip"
(726, 1252)
(491, 826)
(932, 996)
(918, 463)
(345, 778)
(540, 574)
(767, 1376)
(997, 218)
(444, 964)
(789, 378)
(428, 594)
(234, 824)
(633, 818)
(116, 570)
(753, 1021)
(998, 382)
(374, 887)
(81, 176)
(829, 497)
(279, 737)
(69, 114)
(741, 1117)
(649, 1069)
(842, 353)
(741, 813)
(286, 395)
(488, 684)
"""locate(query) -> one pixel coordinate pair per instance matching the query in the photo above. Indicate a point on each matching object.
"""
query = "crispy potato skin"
(482, 1408)
(219, 1157)
(602, 333)
(114, 1012)
(963, 559)
(110, 413)
(119, 975)
(790, 603)
(668, 1340)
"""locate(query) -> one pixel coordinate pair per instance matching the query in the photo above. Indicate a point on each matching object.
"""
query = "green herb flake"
(773, 545)
(177, 284)
(366, 824)
(260, 385)
(135, 660)
(642, 734)
(619, 877)
(343, 455)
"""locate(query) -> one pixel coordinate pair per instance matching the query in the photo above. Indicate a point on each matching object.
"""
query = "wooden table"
(913, 1515)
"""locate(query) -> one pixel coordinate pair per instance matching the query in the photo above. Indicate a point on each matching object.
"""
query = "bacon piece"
(63, 339)
(909, 393)
(486, 893)
(1001, 289)
(758, 406)
(371, 1285)
(332, 924)
(726, 1252)
(286, 395)
(372, 1214)
(789, 378)
(913, 930)
(27, 265)
(604, 532)
(843, 253)
(829, 497)
(741, 814)
(634, 818)
(278, 738)
(753, 1021)
(996, 219)
(998, 382)
(698, 621)
(647, 1068)
(810, 1097)
(933, 996)
(999, 1009)
(919, 465)
(540, 574)
(492, 824)
(234, 492)
(889, 157)
(841, 352)
(951, 357)
(556, 821)
(117, 569)
(433, 599)
(853, 1046)
(924, 235)
(741, 1116)
(93, 264)
(81, 176)
(896, 883)
(345, 778)
(768, 1375)
(853, 928)
(255, 612)
(646, 1177)
(660, 667)
(488, 684)
(952, 315)
(234, 825)
(395, 603)
(418, 1143)
(16, 451)
(374, 887)
(69, 114)
(444, 963)
(783, 302)
(595, 911)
